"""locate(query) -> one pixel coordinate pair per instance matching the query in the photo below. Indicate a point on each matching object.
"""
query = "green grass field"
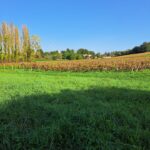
(74, 111)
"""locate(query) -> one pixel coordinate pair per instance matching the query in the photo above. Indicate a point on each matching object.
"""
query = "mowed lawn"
(74, 111)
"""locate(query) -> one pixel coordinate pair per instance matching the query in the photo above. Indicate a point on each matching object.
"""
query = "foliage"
(145, 47)
(15, 47)
(38, 54)
(26, 44)
(35, 43)
(70, 54)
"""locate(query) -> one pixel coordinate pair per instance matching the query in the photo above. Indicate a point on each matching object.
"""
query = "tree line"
(71, 54)
(18, 47)
(145, 47)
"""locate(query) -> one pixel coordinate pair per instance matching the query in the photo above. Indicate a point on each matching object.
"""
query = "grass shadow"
(97, 118)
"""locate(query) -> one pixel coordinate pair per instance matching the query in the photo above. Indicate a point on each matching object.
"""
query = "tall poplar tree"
(26, 44)
(5, 40)
(1, 48)
(12, 41)
(17, 45)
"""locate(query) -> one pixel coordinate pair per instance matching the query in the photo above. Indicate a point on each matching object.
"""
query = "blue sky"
(99, 25)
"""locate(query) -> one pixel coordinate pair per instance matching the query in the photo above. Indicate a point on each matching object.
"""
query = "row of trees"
(15, 46)
(145, 47)
(69, 54)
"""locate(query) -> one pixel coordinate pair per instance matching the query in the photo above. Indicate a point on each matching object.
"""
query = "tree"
(5, 39)
(12, 42)
(55, 55)
(1, 50)
(17, 51)
(145, 47)
(39, 53)
(98, 55)
(35, 42)
(69, 54)
(84, 52)
(35, 46)
(26, 44)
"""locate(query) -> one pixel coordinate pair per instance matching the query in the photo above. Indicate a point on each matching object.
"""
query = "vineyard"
(126, 63)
